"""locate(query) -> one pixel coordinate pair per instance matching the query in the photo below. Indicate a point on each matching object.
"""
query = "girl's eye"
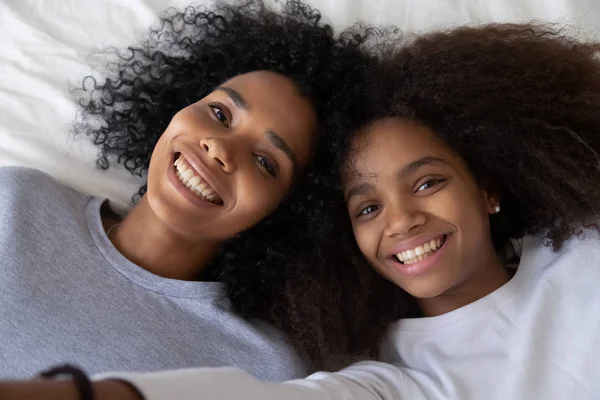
(368, 210)
(429, 184)
(219, 113)
(266, 164)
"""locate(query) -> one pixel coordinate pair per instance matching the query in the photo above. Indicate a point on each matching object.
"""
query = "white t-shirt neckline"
(522, 279)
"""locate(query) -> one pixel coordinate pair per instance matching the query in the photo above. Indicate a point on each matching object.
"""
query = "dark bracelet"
(83, 383)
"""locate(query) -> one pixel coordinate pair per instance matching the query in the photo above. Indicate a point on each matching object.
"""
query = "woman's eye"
(368, 210)
(219, 113)
(266, 164)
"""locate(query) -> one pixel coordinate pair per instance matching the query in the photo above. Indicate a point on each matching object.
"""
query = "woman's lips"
(191, 179)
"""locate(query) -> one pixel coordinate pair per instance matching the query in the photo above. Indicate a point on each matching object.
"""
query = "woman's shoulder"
(14, 175)
(28, 185)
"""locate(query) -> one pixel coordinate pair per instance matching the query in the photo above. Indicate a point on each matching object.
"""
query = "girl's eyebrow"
(409, 169)
(414, 166)
(358, 189)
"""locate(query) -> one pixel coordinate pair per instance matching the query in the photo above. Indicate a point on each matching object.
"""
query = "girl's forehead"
(389, 145)
(390, 138)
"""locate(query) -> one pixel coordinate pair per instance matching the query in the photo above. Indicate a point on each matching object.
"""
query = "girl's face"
(418, 215)
(227, 161)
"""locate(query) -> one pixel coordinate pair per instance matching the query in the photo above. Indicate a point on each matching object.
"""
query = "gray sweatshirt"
(67, 295)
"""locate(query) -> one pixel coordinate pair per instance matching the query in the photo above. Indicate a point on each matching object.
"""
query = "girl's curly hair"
(521, 104)
(184, 58)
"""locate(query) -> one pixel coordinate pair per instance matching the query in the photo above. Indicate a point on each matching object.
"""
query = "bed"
(46, 45)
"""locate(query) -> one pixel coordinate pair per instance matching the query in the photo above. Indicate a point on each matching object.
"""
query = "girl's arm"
(363, 381)
(65, 390)
(367, 380)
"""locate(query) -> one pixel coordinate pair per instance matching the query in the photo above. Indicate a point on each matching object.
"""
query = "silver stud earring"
(497, 209)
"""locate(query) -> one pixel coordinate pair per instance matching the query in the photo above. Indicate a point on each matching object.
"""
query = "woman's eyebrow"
(235, 97)
(278, 142)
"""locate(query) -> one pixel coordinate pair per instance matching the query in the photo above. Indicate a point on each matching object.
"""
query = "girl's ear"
(492, 202)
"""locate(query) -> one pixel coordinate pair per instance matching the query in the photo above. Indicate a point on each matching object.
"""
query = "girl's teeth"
(419, 253)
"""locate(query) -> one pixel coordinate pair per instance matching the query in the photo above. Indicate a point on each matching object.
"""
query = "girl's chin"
(425, 288)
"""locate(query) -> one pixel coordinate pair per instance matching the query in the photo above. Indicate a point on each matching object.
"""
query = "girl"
(483, 136)
(223, 109)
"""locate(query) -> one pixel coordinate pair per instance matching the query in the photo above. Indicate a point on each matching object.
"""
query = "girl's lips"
(414, 242)
(420, 267)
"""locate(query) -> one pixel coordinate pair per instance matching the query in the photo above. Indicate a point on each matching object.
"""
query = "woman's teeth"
(195, 183)
(421, 252)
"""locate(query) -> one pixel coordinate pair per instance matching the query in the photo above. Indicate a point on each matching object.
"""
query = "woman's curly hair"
(521, 104)
(184, 58)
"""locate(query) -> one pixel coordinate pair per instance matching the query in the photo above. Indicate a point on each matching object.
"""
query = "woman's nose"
(221, 152)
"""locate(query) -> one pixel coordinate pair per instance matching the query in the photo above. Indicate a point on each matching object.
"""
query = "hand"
(65, 390)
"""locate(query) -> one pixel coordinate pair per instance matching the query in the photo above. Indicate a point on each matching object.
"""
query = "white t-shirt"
(536, 337)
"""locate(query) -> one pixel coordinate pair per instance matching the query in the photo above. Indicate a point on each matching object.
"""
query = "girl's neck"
(484, 281)
(149, 243)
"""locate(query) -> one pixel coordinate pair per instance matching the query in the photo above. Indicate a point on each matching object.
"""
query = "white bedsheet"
(45, 47)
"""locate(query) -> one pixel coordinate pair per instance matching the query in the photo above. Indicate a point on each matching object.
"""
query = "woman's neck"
(149, 243)
(482, 282)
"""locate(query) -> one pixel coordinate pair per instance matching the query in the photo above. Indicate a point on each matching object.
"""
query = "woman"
(483, 136)
(223, 109)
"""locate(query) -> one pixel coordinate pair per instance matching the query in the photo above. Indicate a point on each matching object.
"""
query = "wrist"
(66, 390)
(47, 390)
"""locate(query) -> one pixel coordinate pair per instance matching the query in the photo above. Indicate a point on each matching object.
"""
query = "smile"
(421, 252)
(194, 182)
(423, 257)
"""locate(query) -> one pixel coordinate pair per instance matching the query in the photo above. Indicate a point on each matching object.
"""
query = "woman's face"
(418, 215)
(227, 161)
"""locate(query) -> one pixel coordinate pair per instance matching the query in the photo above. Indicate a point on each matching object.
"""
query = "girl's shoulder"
(572, 267)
